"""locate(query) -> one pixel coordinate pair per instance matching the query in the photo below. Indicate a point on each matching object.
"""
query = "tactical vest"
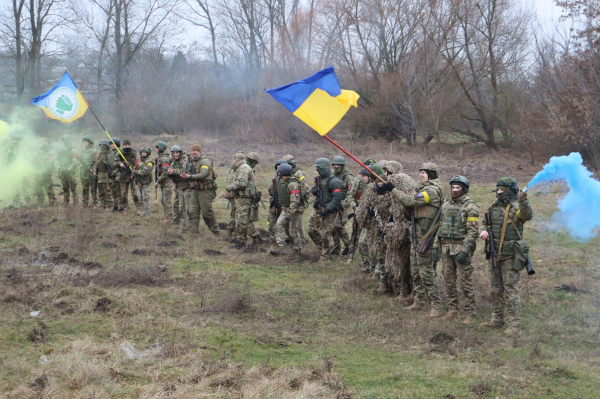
(102, 162)
(304, 188)
(345, 185)
(429, 210)
(453, 226)
(207, 183)
(281, 187)
(163, 163)
(65, 158)
(327, 194)
(497, 218)
(179, 182)
(87, 157)
(147, 178)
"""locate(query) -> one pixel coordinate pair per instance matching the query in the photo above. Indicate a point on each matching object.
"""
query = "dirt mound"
(235, 304)
(441, 338)
(102, 304)
(142, 252)
(108, 245)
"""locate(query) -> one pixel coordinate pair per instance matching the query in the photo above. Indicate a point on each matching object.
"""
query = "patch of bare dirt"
(142, 252)
(213, 252)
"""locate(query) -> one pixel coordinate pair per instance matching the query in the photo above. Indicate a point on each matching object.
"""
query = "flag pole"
(106, 131)
(351, 156)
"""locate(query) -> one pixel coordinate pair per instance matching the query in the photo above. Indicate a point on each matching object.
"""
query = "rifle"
(156, 180)
(429, 237)
(276, 197)
(491, 246)
(355, 225)
(316, 204)
(413, 229)
(529, 267)
(320, 201)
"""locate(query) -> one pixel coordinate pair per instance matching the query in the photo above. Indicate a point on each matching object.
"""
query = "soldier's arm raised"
(416, 200)
(525, 212)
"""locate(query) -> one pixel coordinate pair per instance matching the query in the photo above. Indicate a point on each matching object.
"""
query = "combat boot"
(346, 251)
(415, 306)
(229, 234)
(435, 313)
(450, 316)
(255, 241)
(469, 320)
(279, 250)
(382, 288)
(492, 324)
(406, 300)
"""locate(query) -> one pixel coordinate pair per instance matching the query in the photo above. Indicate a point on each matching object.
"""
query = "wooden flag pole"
(354, 158)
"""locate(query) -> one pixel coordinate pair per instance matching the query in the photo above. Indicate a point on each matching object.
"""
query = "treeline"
(452, 71)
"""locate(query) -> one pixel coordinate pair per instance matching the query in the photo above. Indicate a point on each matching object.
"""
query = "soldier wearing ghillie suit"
(243, 187)
(201, 175)
(397, 237)
(304, 189)
(507, 214)
(455, 244)
(289, 219)
(124, 165)
(425, 205)
(142, 172)
(43, 179)
(101, 172)
(67, 164)
(163, 181)
(374, 214)
(275, 193)
(343, 174)
(177, 167)
(86, 161)
(326, 218)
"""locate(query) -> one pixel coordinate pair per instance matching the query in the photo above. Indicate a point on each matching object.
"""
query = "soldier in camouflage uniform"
(231, 230)
(341, 233)
(352, 201)
(425, 205)
(456, 242)
(124, 165)
(114, 186)
(244, 188)
(87, 160)
(289, 219)
(275, 191)
(325, 219)
(143, 179)
(67, 163)
(201, 175)
(178, 167)
(252, 159)
(304, 189)
(101, 172)
(505, 289)
(164, 182)
(43, 178)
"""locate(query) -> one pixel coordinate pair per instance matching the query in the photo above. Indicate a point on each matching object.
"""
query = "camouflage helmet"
(88, 138)
(322, 163)
(279, 162)
(508, 182)
(338, 161)
(382, 163)
(252, 156)
(147, 150)
(67, 137)
(285, 169)
(430, 168)
(393, 167)
(370, 161)
(104, 142)
(377, 170)
(177, 148)
(289, 159)
(239, 156)
(161, 145)
(116, 142)
(461, 181)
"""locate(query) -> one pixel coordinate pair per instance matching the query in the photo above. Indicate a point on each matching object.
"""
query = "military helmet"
(364, 172)
(161, 145)
(461, 181)
(370, 161)
(393, 167)
(378, 170)
(508, 182)
(382, 163)
(88, 138)
(147, 150)
(177, 148)
(322, 163)
(280, 162)
(117, 142)
(252, 156)
(67, 137)
(432, 170)
(104, 142)
(289, 159)
(338, 161)
(285, 169)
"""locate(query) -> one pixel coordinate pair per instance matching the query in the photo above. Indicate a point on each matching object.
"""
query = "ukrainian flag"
(63, 102)
(318, 100)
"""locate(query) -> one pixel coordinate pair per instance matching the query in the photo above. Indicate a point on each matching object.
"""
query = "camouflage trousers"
(272, 221)
(291, 228)
(179, 208)
(425, 282)
(243, 223)
(166, 192)
(200, 202)
(340, 233)
(87, 187)
(232, 213)
(455, 273)
(115, 191)
(325, 227)
(104, 195)
(145, 206)
(506, 294)
(366, 263)
(44, 186)
(69, 186)
(135, 194)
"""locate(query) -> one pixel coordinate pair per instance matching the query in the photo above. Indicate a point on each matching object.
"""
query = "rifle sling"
(504, 227)
(430, 231)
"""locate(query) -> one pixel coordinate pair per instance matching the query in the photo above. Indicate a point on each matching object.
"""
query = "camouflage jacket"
(101, 167)
(356, 186)
(87, 159)
(179, 167)
(346, 177)
(68, 160)
(459, 226)
(45, 162)
(162, 163)
(144, 169)
(123, 174)
(425, 203)
(242, 182)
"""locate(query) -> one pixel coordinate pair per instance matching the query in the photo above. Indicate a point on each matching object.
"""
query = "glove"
(384, 188)
(314, 191)
(371, 212)
(324, 213)
(522, 196)
(316, 205)
(462, 258)
(436, 254)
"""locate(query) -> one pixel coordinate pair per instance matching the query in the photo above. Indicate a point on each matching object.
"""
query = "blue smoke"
(580, 208)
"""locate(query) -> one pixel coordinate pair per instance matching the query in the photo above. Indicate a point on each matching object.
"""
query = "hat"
(196, 147)
(126, 142)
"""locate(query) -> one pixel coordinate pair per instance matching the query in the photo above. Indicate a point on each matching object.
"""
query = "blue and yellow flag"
(318, 100)
(63, 102)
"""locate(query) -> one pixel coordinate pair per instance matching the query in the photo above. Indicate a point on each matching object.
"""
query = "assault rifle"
(156, 180)
(355, 225)
(192, 170)
(319, 199)
(429, 237)
(491, 246)
(276, 198)
(413, 228)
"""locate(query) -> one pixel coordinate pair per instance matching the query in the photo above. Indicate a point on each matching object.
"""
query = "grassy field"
(132, 308)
